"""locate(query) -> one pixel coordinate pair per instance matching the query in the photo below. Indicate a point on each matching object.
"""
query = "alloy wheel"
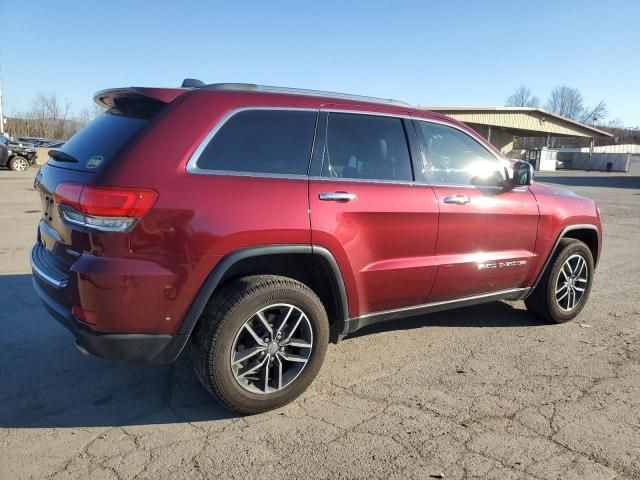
(20, 165)
(572, 282)
(271, 348)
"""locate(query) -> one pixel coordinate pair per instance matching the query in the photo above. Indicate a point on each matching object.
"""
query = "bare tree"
(594, 114)
(522, 97)
(50, 114)
(51, 118)
(615, 123)
(88, 114)
(567, 102)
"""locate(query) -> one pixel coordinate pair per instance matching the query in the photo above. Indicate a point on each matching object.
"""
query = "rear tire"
(19, 164)
(243, 320)
(562, 292)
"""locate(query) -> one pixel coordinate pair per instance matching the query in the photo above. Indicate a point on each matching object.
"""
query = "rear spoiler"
(107, 98)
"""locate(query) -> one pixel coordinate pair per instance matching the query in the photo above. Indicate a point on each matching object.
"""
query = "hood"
(552, 190)
(20, 147)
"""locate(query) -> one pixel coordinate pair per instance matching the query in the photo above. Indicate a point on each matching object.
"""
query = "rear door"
(487, 232)
(367, 210)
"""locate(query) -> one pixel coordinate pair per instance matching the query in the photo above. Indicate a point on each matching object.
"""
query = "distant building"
(501, 125)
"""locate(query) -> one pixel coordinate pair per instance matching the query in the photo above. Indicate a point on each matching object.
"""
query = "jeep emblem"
(95, 161)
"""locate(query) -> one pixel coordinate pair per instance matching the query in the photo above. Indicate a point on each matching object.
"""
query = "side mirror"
(522, 174)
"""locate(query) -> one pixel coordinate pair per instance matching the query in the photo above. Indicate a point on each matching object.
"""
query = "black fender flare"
(225, 263)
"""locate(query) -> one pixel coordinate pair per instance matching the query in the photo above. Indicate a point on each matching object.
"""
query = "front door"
(367, 210)
(487, 232)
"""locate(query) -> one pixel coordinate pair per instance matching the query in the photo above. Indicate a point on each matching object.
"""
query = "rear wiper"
(62, 157)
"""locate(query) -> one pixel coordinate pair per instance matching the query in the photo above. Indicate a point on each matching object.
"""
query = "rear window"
(100, 141)
(262, 141)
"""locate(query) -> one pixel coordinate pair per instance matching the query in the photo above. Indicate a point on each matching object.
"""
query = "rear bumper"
(125, 347)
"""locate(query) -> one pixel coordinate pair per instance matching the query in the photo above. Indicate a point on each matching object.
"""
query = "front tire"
(18, 164)
(565, 285)
(260, 342)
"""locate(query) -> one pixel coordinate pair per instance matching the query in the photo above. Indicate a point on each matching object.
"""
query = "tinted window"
(366, 147)
(454, 158)
(262, 141)
(99, 141)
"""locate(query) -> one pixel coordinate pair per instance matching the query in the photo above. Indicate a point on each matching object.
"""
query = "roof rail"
(250, 87)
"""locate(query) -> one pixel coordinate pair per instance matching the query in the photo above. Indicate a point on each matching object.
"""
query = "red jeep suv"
(260, 223)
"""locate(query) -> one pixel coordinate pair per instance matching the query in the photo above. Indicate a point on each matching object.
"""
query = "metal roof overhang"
(521, 121)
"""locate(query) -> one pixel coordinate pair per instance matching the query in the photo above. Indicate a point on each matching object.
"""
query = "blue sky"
(424, 52)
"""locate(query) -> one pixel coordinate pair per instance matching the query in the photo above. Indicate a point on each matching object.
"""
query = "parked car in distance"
(17, 156)
(42, 142)
(253, 225)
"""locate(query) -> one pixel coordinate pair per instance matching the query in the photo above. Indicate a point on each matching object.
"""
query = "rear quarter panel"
(199, 218)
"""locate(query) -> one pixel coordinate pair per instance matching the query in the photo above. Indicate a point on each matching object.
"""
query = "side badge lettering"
(513, 263)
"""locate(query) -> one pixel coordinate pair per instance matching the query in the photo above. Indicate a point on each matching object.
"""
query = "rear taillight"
(109, 209)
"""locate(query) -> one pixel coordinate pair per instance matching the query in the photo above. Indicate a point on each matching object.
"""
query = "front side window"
(262, 141)
(366, 147)
(454, 158)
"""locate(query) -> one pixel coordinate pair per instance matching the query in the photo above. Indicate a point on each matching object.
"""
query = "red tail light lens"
(68, 194)
(106, 201)
(103, 208)
(117, 202)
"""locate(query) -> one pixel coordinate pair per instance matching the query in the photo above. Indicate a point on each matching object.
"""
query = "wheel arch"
(312, 265)
(587, 233)
(589, 236)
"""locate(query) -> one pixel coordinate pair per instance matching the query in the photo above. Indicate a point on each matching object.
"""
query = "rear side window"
(366, 147)
(262, 141)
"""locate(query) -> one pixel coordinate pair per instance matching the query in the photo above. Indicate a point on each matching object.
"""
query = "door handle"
(457, 199)
(337, 196)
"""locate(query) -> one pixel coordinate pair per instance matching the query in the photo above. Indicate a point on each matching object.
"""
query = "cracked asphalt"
(483, 392)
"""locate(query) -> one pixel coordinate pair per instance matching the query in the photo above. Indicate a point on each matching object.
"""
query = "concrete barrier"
(619, 162)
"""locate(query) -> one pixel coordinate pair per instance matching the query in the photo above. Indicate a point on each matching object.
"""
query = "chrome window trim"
(192, 163)
(478, 187)
(411, 183)
(233, 173)
(349, 110)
